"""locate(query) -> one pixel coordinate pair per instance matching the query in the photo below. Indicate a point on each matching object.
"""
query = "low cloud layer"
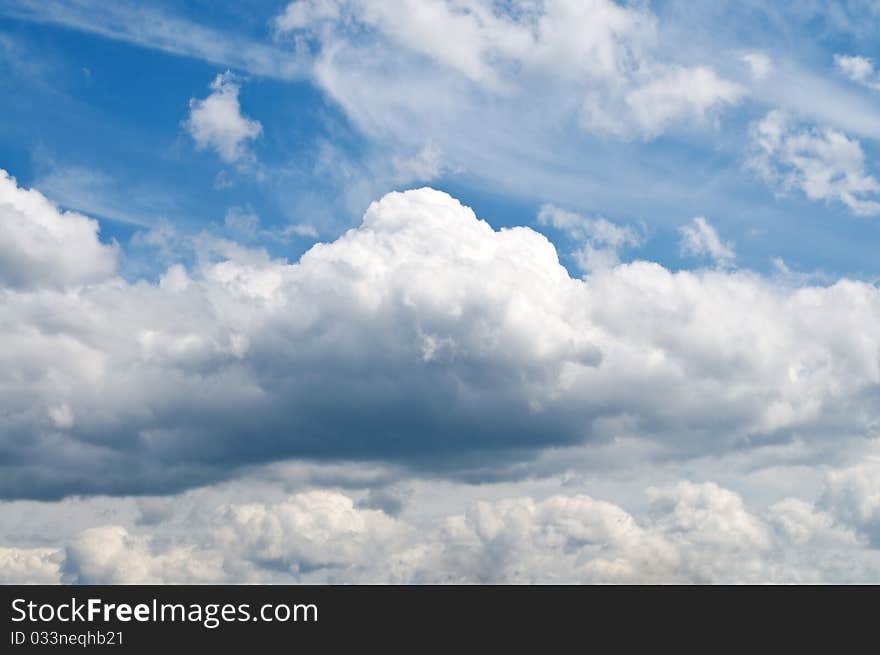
(687, 532)
(422, 338)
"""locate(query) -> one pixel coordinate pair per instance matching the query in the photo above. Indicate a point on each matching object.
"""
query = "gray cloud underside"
(422, 337)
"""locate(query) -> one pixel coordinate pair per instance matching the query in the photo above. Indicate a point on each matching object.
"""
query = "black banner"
(149, 618)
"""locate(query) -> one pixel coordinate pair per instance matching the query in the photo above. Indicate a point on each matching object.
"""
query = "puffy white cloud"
(316, 533)
(700, 239)
(858, 69)
(853, 495)
(217, 122)
(29, 565)
(312, 530)
(111, 555)
(690, 532)
(822, 162)
(42, 246)
(419, 337)
(560, 539)
(716, 537)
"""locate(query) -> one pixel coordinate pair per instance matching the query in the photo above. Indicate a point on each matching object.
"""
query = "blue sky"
(439, 290)
(98, 111)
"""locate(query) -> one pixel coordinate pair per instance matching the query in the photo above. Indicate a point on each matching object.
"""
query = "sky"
(439, 291)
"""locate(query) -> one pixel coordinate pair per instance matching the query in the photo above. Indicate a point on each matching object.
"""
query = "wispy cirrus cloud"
(151, 27)
(600, 54)
(700, 239)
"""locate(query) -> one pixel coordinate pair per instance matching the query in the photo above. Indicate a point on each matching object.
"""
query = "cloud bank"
(688, 532)
(422, 337)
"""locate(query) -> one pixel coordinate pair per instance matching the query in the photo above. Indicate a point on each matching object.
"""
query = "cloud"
(854, 495)
(424, 166)
(859, 70)
(301, 229)
(315, 531)
(597, 56)
(535, 35)
(112, 555)
(822, 162)
(601, 240)
(308, 531)
(426, 398)
(532, 95)
(217, 122)
(242, 224)
(700, 239)
(760, 65)
(688, 532)
(151, 27)
(516, 96)
(422, 338)
(118, 198)
(678, 94)
(42, 246)
(29, 565)
(582, 228)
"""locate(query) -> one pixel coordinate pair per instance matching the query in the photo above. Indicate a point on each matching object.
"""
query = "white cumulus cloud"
(217, 122)
(823, 163)
(30, 565)
(688, 532)
(42, 246)
(440, 337)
